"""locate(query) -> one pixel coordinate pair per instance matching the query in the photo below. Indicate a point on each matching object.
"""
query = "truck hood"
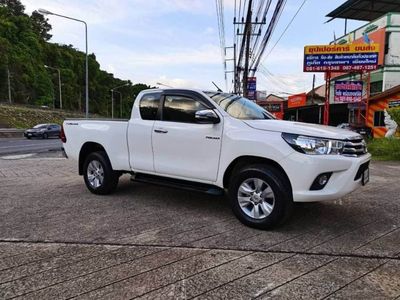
(302, 129)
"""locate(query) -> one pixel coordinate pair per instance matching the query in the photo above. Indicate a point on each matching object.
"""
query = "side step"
(177, 183)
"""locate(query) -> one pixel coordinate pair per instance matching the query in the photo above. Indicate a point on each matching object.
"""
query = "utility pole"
(247, 53)
(59, 85)
(235, 81)
(313, 89)
(9, 85)
(112, 104)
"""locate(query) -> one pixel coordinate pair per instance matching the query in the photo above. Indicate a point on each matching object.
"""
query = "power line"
(274, 20)
(219, 4)
(287, 26)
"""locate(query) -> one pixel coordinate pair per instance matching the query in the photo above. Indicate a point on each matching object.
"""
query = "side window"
(379, 119)
(148, 106)
(181, 109)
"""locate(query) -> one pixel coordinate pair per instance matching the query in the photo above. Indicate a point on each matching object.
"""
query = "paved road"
(20, 145)
(58, 241)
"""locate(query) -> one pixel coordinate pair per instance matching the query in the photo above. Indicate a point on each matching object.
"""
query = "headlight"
(313, 145)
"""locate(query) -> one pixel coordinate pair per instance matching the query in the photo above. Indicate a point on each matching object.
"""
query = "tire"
(45, 136)
(258, 207)
(107, 179)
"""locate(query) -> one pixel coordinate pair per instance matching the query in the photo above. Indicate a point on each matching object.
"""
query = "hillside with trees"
(25, 50)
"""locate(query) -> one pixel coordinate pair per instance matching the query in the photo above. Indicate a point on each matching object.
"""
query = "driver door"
(181, 146)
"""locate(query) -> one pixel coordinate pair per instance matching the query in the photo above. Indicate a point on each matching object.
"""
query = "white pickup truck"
(217, 142)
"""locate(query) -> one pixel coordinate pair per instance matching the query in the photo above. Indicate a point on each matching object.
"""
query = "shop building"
(376, 107)
(274, 104)
(383, 27)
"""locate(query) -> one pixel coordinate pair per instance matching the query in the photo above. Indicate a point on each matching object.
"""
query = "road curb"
(11, 133)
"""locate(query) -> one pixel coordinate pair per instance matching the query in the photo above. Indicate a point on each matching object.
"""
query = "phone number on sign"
(340, 68)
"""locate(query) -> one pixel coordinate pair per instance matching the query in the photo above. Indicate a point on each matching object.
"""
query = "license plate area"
(365, 177)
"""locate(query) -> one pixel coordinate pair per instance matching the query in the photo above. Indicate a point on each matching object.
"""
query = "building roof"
(364, 10)
(319, 91)
(389, 92)
(275, 98)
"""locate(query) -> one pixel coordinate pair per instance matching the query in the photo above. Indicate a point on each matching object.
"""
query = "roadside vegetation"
(395, 114)
(13, 116)
(25, 50)
(385, 149)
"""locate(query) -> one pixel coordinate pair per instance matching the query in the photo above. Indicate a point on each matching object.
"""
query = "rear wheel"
(260, 196)
(98, 174)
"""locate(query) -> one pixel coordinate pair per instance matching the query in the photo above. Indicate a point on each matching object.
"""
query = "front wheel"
(98, 174)
(260, 196)
(45, 136)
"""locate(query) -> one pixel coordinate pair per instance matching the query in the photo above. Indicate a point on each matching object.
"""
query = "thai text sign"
(348, 91)
(251, 88)
(297, 100)
(348, 57)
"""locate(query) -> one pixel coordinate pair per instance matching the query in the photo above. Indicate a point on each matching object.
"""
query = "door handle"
(160, 131)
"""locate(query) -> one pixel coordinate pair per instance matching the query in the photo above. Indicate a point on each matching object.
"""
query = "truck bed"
(110, 133)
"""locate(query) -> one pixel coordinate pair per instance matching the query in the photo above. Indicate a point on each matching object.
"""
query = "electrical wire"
(221, 31)
(274, 21)
(287, 26)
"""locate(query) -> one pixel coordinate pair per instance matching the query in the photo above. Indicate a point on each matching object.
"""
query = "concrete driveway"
(58, 241)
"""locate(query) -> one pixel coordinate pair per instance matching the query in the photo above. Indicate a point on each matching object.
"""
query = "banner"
(348, 91)
(251, 88)
(338, 58)
(297, 100)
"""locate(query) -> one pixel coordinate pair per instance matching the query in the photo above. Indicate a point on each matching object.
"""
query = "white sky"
(176, 41)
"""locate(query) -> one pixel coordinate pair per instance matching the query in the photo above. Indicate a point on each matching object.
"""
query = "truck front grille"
(354, 147)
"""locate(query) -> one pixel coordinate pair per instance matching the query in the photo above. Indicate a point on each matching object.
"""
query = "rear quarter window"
(148, 106)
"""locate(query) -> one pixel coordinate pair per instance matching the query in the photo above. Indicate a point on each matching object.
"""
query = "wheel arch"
(250, 160)
(87, 148)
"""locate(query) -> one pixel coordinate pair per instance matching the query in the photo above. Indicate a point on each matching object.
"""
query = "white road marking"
(21, 156)
(25, 145)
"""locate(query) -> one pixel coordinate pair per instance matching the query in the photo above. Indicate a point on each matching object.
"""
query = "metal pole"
(87, 73)
(120, 105)
(9, 85)
(327, 95)
(247, 55)
(46, 12)
(234, 70)
(112, 104)
(59, 86)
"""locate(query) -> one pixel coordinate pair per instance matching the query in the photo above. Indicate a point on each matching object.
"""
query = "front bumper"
(303, 169)
(33, 134)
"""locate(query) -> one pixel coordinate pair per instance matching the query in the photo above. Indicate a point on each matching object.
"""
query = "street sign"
(348, 91)
(341, 58)
(297, 100)
(251, 88)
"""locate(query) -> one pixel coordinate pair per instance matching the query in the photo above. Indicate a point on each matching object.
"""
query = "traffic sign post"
(252, 88)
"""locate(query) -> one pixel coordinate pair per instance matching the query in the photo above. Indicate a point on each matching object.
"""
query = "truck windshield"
(239, 107)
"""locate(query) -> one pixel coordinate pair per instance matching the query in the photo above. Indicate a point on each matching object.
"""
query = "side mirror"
(206, 116)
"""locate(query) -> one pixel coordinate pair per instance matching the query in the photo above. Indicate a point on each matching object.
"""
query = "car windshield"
(239, 107)
(40, 126)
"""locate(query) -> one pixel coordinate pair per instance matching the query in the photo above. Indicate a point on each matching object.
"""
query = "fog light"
(320, 181)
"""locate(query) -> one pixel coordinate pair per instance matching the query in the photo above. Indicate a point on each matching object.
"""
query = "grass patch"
(385, 149)
(15, 116)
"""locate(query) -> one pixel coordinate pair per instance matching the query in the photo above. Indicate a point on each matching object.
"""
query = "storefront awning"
(364, 10)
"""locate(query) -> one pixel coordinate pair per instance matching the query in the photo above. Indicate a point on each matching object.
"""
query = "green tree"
(24, 50)
(41, 25)
(15, 7)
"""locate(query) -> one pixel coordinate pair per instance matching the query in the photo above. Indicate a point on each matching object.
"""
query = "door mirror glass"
(206, 116)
